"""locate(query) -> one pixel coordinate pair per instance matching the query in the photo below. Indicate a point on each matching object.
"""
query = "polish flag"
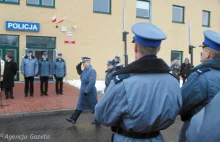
(61, 20)
(54, 19)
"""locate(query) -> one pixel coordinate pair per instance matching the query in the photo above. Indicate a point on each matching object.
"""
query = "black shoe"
(12, 97)
(6, 97)
(61, 93)
(25, 95)
(32, 95)
(46, 94)
(57, 93)
(71, 120)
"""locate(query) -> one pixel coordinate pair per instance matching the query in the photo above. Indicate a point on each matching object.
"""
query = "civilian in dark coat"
(8, 77)
(185, 69)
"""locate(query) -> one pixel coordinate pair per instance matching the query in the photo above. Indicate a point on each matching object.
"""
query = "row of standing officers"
(31, 67)
(143, 98)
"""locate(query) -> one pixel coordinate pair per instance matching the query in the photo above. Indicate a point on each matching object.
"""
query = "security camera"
(73, 27)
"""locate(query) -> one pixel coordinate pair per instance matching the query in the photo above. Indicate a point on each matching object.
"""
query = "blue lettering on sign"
(22, 26)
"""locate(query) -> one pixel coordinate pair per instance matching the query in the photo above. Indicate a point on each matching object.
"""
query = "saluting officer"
(203, 83)
(29, 68)
(59, 72)
(88, 93)
(143, 98)
(44, 72)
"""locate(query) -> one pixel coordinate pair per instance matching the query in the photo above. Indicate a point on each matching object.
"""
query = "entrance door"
(50, 55)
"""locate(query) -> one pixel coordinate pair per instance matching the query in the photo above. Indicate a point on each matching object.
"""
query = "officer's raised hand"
(78, 68)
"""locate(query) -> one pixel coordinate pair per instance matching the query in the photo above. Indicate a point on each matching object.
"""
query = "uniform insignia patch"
(202, 70)
(120, 77)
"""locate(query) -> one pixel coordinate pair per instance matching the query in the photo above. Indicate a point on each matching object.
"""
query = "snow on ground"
(100, 84)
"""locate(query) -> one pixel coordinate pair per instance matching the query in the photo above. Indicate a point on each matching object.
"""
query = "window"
(206, 18)
(176, 55)
(40, 42)
(178, 14)
(9, 40)
(10, 1)
(143, 8)
(43, 3)
(102, 6)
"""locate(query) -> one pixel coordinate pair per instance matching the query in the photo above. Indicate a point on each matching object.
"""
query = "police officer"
(44, 72)
(143, 98)
(88, 93)
(204, 126)
(59, 72)
(116, 60)
(203, 83)
(109, 72)
(29, 68)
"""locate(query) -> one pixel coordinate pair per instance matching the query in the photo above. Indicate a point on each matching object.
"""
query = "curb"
(40, 113)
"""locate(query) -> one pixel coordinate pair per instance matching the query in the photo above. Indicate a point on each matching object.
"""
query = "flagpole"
(124, 33)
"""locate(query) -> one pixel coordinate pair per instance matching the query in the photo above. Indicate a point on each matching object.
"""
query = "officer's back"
(143, 98)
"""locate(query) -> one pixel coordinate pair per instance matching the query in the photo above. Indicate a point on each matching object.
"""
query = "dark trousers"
(184, 80)
(8, 92)
(76, 115)
(2, 86)
(59, 80)
(29, 81)
(44, 84)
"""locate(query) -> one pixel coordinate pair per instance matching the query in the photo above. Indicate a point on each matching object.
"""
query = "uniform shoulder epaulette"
(120, 77)
(203, 70)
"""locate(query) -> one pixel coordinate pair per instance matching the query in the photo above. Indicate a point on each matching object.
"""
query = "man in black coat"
(185, 69)
(8, 78)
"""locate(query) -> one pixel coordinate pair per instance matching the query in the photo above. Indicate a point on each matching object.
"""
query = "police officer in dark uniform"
(44, 72)
(109, 74)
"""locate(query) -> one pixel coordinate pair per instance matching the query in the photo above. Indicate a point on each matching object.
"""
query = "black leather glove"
(78, 68)
(86, 94)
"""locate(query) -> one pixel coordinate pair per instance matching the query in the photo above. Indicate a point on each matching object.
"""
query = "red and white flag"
(54, 19)
(61, 20)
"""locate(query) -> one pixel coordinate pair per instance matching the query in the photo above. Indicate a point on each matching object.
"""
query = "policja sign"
(22, 26)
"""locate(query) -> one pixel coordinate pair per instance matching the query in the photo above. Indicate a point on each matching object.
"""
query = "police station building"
(94, 28)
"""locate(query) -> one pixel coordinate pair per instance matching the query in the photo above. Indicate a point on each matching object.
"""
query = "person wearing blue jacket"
(29, 68)
(44, 72)
(109, 74)
(203, 83)
(88, 93)
(59, 72)
(204, 126)
(144, 98)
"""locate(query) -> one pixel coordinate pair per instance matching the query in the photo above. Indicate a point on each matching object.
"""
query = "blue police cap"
(212, 40)
(148, 35)
(29, 51)
(44, 54)
(84, 59)
(110, 63)
(118, 57)
(59, 54)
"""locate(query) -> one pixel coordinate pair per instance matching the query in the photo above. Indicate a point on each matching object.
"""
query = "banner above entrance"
(22, 26)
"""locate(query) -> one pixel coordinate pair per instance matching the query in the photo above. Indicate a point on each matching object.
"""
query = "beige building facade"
(96, 27)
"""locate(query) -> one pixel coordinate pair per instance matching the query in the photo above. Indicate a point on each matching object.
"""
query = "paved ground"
(56, 129)
(38, 103)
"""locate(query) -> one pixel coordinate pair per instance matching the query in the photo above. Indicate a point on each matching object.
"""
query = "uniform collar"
(214, 63)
